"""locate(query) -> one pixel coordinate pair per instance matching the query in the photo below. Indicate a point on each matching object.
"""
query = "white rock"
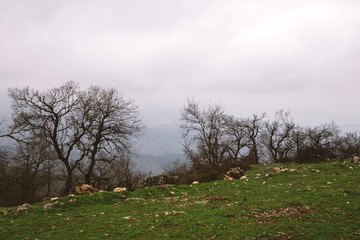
(23, 207)
(119, 189)
(58, 203)
(195, 182)
(47, 206)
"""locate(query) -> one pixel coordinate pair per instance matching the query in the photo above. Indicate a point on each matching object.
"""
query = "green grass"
(317, 201)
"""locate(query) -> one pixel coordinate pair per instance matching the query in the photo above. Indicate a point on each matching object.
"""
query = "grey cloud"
(295, 54)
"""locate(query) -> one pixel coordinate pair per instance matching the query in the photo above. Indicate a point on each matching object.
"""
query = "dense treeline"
(215, 141)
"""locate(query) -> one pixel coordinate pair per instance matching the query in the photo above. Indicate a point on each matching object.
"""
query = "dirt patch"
(287, 212)
(276, 213)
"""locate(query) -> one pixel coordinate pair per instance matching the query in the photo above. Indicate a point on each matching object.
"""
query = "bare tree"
(237, 140)
(125, 174)
(5, 180)
(82, 127)
(350, 145)
(29, 164)
(323, 140)
(54, 114)
(253, 131)
(204, 133)
(299, 139)
(276, 136)
(115, 125)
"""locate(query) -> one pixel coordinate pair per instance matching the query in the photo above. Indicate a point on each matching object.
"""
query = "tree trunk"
(68, 184)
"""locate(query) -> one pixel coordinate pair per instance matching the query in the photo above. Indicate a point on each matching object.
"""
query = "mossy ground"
(316, 201)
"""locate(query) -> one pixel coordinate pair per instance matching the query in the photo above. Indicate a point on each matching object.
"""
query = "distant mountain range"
(158, 147)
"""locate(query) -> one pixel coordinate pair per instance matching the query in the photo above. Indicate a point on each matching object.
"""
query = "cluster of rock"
(54, 202)
(356, 159)
(235, 173)
(23, 207)
(18, 209)
(85, 189)
(80, 190)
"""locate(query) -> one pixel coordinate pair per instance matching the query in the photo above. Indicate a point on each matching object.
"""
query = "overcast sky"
(251, 56)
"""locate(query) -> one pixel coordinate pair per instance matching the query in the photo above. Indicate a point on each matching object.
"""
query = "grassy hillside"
(315, 201)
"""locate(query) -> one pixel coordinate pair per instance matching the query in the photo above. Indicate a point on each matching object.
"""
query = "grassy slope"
(304, 204)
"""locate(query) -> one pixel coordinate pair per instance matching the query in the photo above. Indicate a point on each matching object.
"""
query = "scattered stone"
(351, 168)
(120, 189)
(172, 193)
(130, 218)
(71, 195)
(292, 170)
(328, 182)
(276, 213)
(54, 199)
(73, 200)
(101, 191)
(195, 182)
(244, 177)
(356, 159)
(58, 204)
(85, 189)
(23, 207)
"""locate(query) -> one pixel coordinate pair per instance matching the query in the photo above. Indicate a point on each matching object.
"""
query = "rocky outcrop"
(234, 173)
(23, 207)
(85, 189)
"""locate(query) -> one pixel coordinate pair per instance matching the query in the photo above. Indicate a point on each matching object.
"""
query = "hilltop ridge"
(306, 201)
